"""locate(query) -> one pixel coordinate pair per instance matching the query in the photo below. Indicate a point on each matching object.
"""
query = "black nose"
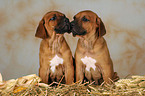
(72, 23)
(66, 20)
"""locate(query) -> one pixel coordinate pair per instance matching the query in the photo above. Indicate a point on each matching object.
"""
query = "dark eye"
(85, 19)
(74, 17)
(96, 20)
(53, 18)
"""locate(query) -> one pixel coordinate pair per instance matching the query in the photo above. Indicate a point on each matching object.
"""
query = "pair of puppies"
(92, 59)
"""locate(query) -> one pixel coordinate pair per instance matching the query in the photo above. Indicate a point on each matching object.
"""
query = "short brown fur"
(93, 45)
(51, 45)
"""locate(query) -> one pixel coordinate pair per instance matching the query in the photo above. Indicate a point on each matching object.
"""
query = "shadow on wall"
(127, 49)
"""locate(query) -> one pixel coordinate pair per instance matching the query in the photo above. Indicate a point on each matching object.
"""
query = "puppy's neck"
(55, 42)
(88, 42)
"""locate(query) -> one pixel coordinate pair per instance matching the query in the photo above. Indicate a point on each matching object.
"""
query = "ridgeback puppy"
(92, 57)
(55, 56)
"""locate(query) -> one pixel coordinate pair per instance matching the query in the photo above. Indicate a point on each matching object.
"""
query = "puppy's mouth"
(63, 27)
(75, 33)
(77, 30)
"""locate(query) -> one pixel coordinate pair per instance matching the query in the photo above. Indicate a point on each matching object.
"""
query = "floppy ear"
(101, 31)
(41, 31)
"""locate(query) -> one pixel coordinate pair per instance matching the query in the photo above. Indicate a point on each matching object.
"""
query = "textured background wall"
(19, 48)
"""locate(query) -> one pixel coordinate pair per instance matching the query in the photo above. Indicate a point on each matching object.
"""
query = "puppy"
(55, 56)
(92, 57)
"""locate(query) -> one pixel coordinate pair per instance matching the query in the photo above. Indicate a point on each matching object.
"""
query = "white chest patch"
(89, 62)
(55, 62)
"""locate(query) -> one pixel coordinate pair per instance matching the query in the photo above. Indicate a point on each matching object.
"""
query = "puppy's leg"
(44, 74)
(96, 75)
(44, 68)
(79, 70)
(69, 70)
(88, 75)
(107, 73)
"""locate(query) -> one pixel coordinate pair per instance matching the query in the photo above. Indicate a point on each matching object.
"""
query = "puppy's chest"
(55, 61)
(89, 61)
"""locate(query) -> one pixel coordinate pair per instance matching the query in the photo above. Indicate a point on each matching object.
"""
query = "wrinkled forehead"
(87, 14)
(53, 13)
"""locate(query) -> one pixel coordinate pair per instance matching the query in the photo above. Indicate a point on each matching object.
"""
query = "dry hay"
(30, 86)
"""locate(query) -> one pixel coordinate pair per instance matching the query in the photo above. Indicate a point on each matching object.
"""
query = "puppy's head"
(87, 23)
(53, 21)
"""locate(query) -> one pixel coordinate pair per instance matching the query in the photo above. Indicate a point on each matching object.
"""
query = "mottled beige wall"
(19, 49)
